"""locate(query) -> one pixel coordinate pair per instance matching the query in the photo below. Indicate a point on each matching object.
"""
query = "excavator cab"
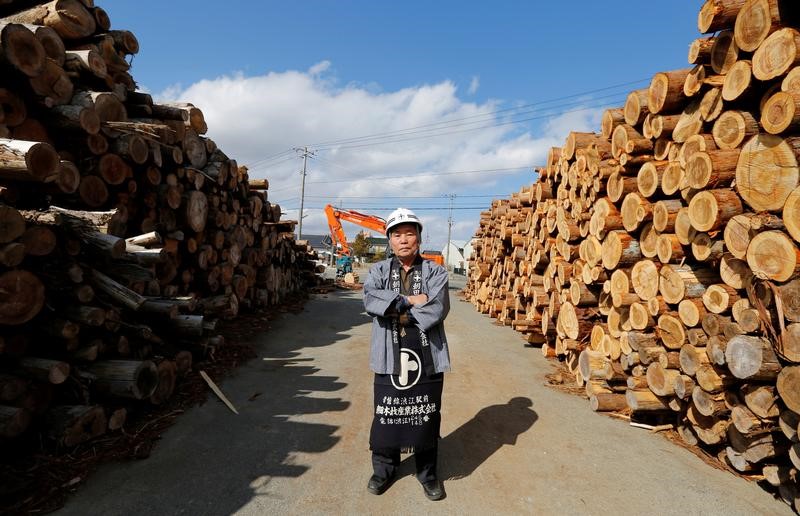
(344, 265)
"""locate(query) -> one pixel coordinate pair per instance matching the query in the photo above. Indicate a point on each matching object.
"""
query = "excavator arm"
(337, 233)
(336, 215)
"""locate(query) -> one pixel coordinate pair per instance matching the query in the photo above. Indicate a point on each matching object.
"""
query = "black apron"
(407, 406)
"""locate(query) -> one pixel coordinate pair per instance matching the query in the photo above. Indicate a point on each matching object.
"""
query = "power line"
(481, 115)
(489, 126)
(406, 176)
(272, 156)
(270, 164)
(396, 196)
(384, 208)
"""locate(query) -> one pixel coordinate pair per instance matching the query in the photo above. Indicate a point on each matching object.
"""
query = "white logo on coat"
(410, 370)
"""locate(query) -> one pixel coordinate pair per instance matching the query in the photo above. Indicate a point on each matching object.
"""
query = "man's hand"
(417, 300)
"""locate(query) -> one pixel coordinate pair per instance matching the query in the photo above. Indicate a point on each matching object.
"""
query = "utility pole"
(306, 154)
(449, 229)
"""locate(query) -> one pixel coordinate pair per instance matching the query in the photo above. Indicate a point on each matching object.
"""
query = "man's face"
(404, 240)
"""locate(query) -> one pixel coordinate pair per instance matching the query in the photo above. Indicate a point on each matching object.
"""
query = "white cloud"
(259, 119)
(473, 85)
(319, 68)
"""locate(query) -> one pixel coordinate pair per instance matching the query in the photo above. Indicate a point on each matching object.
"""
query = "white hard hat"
(402, 216)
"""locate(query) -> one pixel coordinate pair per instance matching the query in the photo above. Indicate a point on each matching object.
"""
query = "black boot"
(433, 489)
(378, 485)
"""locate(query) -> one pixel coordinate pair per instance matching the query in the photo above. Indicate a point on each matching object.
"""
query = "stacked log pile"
(124, 232)
(660, 257)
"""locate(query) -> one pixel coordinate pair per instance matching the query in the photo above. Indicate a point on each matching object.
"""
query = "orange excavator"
(336, 215)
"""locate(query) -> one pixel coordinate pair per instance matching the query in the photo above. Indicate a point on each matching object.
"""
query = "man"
(408, 299)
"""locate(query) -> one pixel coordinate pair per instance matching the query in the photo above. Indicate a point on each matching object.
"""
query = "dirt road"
(510, 445)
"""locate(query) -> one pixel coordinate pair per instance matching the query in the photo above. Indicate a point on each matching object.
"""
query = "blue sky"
(271, 76)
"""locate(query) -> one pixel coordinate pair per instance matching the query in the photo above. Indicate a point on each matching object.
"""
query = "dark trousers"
(384, 464)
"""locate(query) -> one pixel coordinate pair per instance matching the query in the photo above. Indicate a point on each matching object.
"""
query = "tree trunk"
(767, 171)
(733, 127)
(788, 385)
(666, 91)
(69, 18)
(20, 48)
(691, 359)
(752, 358)
(46, 370)
(762, 400)
(777, 54)
(773, 255)
(709, 210)
(22, 296)
(27, 161)
(129, 379)
(74, 424)
(167, 376)
(645, 401)
(620, 249)
(661, 380)
(718, 14)
(13, 421)
(791, 214)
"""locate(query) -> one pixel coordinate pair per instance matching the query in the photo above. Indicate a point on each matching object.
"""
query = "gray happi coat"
(379, 299)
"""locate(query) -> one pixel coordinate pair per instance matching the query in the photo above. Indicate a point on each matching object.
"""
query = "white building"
(455, 260)
(468, 250)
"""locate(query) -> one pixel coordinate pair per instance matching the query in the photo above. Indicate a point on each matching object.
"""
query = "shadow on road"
(463, 450)
(214, 462)
(289, 387)
(283, 385)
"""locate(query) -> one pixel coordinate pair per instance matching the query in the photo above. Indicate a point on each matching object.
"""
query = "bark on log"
(724, 53)
(52, 371)
(27, 161)
(715, 15)
(129, 379)
(645, 401)
(74, 424)
(69, 18)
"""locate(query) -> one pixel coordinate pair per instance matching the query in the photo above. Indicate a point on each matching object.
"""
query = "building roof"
(318, 241)
(377, 241)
